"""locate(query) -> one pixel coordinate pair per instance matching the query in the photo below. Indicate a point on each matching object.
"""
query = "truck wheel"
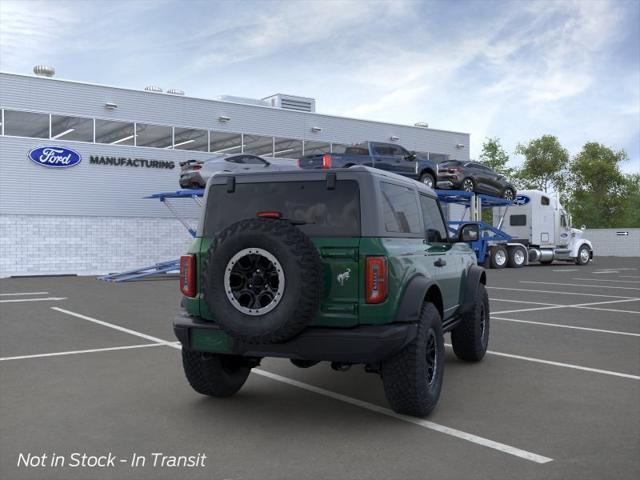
(517, 257)
(412, 378)
(262, 280)
(470, 338)
(499, 257)
(215, 375)
(584, 255)
(428, 180)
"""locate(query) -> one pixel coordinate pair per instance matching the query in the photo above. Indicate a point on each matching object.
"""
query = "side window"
(544, 200)
(563, 221)
(518, 220)
(400, 209)
(397, 151)
(435, 229)
(383, 149)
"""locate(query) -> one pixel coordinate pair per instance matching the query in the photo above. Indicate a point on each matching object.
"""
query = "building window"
(225, 143)
(26, 124)
(258, 145)
(191, 139)
(157, 136)
(316, 148)
(71, 128)
(338, 147)
(115, 133)
(287, 148)
(400, 209)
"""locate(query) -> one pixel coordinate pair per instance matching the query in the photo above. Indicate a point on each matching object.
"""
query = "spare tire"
(262, 280)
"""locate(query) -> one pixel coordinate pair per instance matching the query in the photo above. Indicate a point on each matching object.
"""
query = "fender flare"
(580, 243)
(475, 276)
(413, 297)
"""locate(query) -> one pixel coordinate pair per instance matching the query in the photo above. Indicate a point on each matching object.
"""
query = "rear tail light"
(376, 282)
(326, 160)
(188, 275)
(269, 214)
(196, 167)
(454, 170)
(299, 162)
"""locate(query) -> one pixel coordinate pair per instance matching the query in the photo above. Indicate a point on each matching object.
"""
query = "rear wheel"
(215, 375)
(428, 180)
(499, 257)
(412, 378)
(517, 257)
(470, 338)
(468, 185)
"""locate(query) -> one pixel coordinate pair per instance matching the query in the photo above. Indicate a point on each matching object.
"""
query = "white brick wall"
(49, 245)
(607, 242)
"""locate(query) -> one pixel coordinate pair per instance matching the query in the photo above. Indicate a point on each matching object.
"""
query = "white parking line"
(558, 325)
(533, 457)
(607, 280)
(580, 285)
(115, 327)
(524, 301)
(528, 290)
(560, 364)
(76, 352)
(567, 270)
(629, 276)
(47, 299)
(578, 305)
(23, 293)
(606, 271)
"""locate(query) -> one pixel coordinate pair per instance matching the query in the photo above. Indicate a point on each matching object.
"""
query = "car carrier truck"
(538, 223)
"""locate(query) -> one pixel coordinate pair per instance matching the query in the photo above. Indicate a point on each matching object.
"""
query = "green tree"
(495, 157)
(630, 217)
(598, 192)
(545, 164)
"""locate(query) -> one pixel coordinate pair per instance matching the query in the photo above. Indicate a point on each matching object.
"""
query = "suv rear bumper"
(363, 344)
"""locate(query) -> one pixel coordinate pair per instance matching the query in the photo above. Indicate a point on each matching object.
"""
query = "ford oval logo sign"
(521, 200)
(55, 157)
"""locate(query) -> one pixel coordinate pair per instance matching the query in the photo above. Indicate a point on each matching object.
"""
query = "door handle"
(440, 263)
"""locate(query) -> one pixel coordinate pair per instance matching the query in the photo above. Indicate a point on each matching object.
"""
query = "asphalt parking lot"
(92, 367)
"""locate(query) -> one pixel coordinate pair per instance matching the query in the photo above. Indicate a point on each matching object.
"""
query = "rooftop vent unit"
(44, 71)
(292, 102)
(421, 124)
(175, 91)
(153, 88)
(245, 100)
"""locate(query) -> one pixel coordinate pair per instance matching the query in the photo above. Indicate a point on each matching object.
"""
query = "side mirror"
(469, 232)
(411, 157)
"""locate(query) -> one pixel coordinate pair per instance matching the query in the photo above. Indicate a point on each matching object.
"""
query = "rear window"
(450, 163)
(400, 209)
(320, 211)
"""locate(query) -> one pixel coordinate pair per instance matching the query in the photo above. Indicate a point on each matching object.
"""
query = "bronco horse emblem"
(344, 276)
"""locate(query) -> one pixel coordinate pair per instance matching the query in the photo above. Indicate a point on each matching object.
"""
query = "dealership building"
(77, 160)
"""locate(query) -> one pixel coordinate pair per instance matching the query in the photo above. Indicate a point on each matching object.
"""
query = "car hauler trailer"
(539, 222)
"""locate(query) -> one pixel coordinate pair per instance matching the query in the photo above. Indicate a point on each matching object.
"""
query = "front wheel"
(215, 375)
(508, 194)
(470, 338)
(412, 378)
(584, 255)
(428, 180)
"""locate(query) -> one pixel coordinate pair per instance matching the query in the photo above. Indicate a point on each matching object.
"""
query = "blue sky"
(511, 69)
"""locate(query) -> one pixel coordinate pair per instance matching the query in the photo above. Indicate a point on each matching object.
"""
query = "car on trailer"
(385, 156)
(474, 177)
(351, 266)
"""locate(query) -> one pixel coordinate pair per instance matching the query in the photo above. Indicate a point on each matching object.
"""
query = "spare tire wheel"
(262, 280)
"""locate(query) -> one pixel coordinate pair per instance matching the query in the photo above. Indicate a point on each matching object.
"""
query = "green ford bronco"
(351, 266)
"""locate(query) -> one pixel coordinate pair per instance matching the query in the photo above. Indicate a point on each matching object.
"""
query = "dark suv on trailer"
(474, 177)
(351, 266)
